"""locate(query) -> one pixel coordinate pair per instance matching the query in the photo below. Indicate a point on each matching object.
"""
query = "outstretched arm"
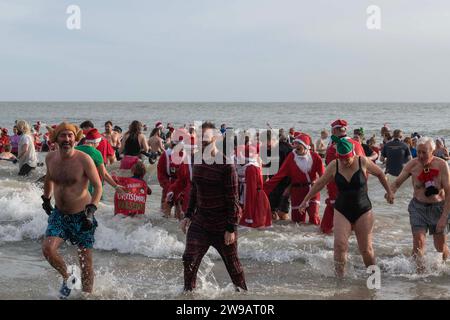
(373, 169)
(406, 172)
(320, 183)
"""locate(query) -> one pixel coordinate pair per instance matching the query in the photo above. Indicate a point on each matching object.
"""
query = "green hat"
(344, 147)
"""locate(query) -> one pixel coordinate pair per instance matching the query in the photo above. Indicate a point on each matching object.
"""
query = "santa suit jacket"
(298, 177)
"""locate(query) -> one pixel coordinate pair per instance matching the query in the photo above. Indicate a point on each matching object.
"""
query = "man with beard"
(69, 172)
(212, 215)
(303, 167)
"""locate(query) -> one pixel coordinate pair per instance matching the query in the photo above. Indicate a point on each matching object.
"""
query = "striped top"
(214, 197)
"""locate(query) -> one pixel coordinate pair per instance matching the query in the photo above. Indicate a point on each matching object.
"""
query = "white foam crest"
(19, 200)
(126, 236)
(404, 266)
(279, 247)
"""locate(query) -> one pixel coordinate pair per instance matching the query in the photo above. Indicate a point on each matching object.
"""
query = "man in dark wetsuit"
(397, 154)
(212, 215)
(69, 172)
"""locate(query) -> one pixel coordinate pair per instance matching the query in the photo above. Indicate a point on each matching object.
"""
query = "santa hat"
(159, 124)
(93, 136)
(339, 123)
(303, 139)
(344, 148)
(54, 132)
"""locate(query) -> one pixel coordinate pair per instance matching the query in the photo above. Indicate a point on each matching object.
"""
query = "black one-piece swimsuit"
(352, 200)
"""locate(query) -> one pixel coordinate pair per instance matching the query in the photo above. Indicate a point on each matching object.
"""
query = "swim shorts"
(69, 227)
(425, 216)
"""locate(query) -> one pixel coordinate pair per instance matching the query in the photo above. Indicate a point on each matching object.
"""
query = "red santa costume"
(179, 190)
(256, 206)
(303, 171)
(168, 170)
(327, 220)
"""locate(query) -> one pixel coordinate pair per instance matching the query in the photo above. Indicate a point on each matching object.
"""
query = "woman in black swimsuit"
(352, 209)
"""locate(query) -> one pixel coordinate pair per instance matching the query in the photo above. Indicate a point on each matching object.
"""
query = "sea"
(141, 257)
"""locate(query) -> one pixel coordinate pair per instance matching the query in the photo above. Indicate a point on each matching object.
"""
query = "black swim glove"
(89, 216)
(46, 205)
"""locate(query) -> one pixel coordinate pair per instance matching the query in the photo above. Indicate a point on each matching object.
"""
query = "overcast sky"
(225, 50)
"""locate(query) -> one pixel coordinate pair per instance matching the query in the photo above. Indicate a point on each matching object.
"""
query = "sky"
(225, 50)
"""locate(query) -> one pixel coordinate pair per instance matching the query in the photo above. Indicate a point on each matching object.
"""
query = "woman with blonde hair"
(26, 152)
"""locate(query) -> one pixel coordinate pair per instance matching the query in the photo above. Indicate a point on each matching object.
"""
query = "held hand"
(303, 206)
(184, 224)
(230, 238)
(46, 205)
(89, 216)
(120, 189)
(389, 197)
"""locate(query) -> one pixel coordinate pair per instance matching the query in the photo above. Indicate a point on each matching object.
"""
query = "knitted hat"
(344, 148)
(54, 132)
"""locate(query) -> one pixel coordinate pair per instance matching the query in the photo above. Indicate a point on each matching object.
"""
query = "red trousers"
(297, 196)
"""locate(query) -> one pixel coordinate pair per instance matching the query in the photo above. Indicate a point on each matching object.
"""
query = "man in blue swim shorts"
(69, 172)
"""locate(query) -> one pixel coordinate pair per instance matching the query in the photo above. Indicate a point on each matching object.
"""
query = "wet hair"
(154, 132)
(208, 125)
(138, 169)
(117, 129)
(372, 140)
(108, 122)
(135, 128)
(87, 124)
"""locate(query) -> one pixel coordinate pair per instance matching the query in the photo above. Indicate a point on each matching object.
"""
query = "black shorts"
(25, 170)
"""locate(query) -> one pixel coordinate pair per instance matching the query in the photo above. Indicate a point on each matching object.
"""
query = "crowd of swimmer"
(335, 160)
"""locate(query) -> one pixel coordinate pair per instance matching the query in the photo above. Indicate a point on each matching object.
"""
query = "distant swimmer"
(430, 205)
(353, 209)
(69, 172)
(113, 137)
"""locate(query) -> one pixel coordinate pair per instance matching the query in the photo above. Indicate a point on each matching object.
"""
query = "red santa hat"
(339, 123)
(93, 136)
(159, 124)
(303, 139)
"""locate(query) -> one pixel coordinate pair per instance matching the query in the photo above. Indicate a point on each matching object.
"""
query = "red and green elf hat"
(344, 148)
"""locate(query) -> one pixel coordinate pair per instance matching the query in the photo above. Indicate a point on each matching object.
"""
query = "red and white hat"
(339, 123)
(93, 136)
(159, 124)
(303, 139)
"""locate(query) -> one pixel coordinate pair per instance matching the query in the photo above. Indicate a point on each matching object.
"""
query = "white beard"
(303, 162)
